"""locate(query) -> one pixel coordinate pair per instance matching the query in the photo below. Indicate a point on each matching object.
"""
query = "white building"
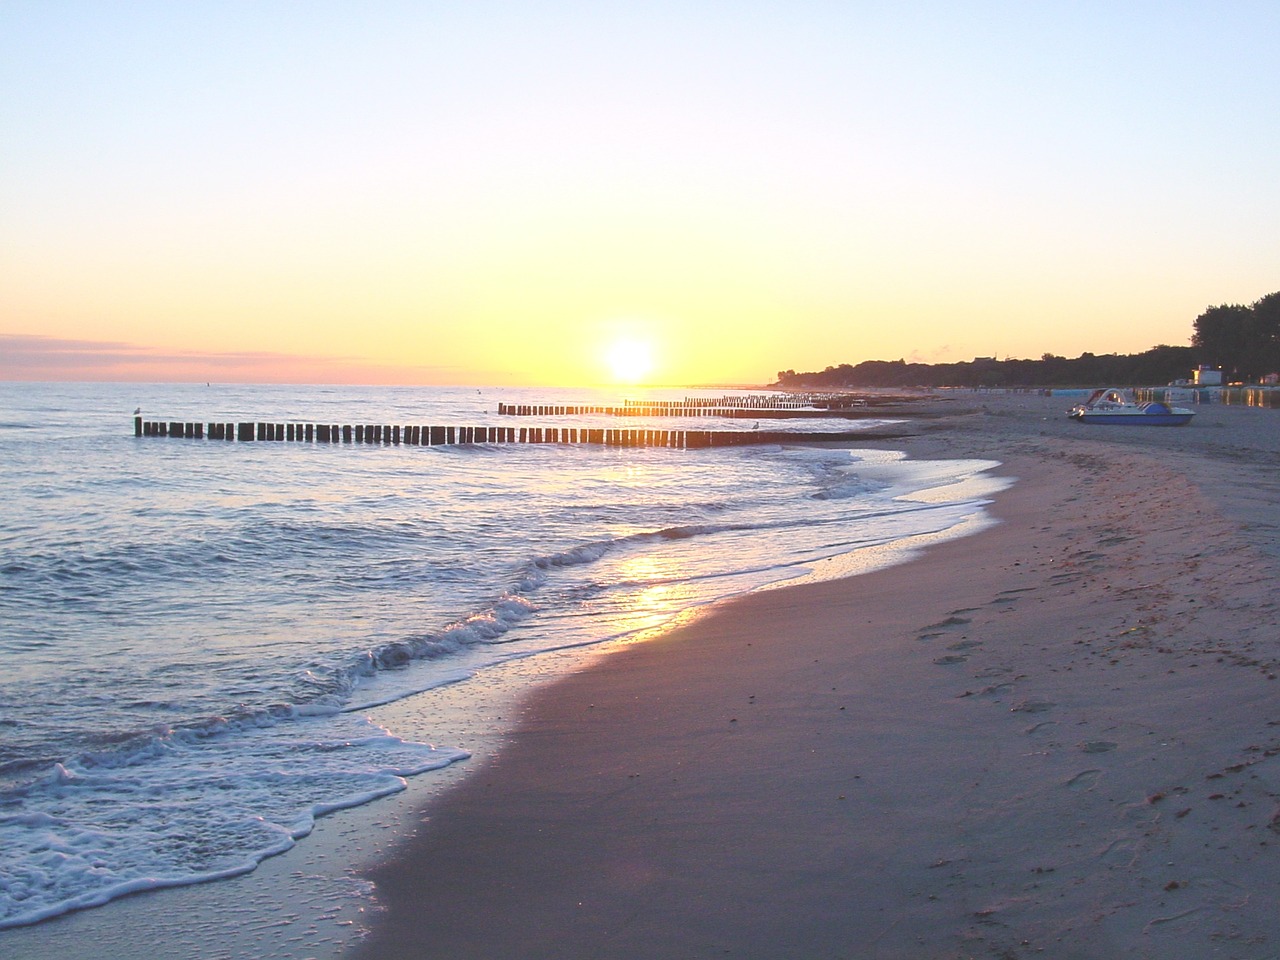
(1203, 376)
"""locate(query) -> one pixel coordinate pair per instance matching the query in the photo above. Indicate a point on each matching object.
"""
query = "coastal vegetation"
(1243, 341)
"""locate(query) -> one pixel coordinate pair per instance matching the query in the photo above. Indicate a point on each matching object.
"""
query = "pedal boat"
(1116, 407)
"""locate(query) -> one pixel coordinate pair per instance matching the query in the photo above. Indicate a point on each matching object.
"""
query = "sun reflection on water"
(654, 589)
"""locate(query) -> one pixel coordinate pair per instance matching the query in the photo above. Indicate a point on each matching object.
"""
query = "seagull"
(137, 411)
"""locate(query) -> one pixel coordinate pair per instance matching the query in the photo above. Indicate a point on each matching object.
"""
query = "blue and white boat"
(1112, 405)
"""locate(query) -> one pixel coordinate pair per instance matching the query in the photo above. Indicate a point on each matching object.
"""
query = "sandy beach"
(1059, 737)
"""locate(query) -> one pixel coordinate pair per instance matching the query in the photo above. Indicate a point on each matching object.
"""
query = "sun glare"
(629, 360)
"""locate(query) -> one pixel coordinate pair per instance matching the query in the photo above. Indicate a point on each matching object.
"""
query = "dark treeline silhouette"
(1243, 341)
(1158, 365)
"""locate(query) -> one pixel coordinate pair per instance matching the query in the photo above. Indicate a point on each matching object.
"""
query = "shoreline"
(1065, 752)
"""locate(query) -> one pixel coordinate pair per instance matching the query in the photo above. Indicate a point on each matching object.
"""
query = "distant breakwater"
(436, 436)
(848, 406)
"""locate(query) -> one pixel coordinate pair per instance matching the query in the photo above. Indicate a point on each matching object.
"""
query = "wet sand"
(1059, 737)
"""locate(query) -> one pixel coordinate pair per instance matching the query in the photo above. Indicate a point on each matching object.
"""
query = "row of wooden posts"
(751, 401)
(769, 401)
(633, 409)
(436, 436)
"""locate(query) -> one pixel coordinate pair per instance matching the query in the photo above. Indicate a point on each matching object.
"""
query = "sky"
(564, 193)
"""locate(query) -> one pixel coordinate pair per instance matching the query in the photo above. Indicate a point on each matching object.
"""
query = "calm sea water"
(192, 632)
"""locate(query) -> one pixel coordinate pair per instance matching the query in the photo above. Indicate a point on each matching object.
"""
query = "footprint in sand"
(996, 690)
(1032, 706)
(949, 623)
(1098, 746)
(1085, 780)
(1044, 726)
(964, 645)
(996, 671)
(1122, 851)
(950, 659)
(935, 630)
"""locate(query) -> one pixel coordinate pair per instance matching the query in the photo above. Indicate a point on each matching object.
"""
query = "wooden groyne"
(637, 410)
(438, 436)
(732, 408)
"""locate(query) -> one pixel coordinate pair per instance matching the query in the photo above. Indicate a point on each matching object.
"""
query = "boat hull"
(1135, 419)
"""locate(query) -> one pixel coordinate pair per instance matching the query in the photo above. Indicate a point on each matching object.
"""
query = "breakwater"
(435, 436)
(751, 407)
(729, 413)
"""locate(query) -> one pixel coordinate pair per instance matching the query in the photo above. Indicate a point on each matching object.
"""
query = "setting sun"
(629, 360)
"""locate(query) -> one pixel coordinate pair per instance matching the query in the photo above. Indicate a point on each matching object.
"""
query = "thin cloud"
(32, 357)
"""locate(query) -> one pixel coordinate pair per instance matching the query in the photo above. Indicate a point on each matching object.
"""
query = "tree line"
(1244, 341)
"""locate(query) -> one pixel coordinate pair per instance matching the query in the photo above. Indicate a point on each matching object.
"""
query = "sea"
(196, 635)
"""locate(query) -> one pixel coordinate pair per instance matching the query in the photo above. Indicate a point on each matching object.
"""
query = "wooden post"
(346, 433)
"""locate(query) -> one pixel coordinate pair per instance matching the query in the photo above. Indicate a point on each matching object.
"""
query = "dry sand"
(1057, 738)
